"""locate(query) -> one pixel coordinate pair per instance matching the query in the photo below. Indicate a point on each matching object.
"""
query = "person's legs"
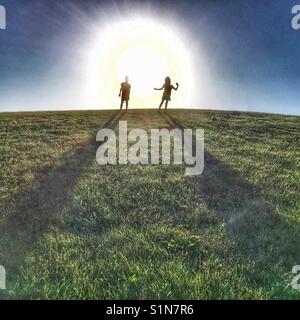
(126, 104)
(162, 102)
(121, 106)
(166, 107)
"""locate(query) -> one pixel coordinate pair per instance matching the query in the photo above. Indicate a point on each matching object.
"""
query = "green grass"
(70, 229)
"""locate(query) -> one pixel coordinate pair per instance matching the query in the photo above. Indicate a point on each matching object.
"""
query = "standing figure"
(168, 87)
(125, 93)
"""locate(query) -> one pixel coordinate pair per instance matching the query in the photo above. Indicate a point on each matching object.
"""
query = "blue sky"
(249, 47)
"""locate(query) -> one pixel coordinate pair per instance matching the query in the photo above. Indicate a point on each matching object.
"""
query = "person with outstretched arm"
(167, 87)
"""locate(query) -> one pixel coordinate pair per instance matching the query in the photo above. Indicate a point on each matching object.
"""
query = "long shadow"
(250, 220)
(38, 206)
(220, 186)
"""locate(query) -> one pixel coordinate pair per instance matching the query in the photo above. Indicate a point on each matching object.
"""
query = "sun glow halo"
(147, 52)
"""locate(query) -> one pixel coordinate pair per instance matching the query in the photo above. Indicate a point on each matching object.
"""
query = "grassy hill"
(72, 229)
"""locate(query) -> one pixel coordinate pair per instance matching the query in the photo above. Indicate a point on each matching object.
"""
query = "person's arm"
(159, 88)
(177, 86)
(120, 92)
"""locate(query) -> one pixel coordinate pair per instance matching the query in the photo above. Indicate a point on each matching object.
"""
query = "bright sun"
(146, 66)
(147, 52)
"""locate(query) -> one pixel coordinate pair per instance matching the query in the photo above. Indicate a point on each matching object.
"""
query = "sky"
(245, 54)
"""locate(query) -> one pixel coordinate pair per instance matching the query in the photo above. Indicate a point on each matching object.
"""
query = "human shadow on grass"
(258, 231)
(37, 206)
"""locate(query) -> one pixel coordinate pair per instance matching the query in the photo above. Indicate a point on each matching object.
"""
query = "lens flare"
(147, 52)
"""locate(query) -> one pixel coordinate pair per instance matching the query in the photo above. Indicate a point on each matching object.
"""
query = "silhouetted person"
(167, 87)
(125, 93)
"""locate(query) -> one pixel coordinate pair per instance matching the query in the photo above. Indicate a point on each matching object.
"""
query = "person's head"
(168, 81)
(126, 78)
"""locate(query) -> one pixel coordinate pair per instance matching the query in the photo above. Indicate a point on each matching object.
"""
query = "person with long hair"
(167, 87)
